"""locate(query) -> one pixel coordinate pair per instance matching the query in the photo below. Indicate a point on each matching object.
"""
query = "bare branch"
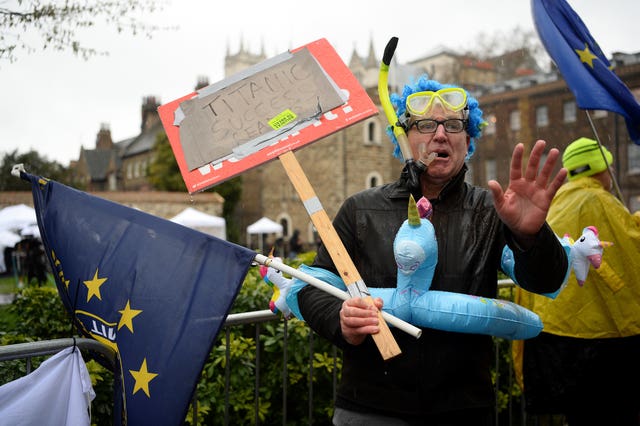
(56, 23)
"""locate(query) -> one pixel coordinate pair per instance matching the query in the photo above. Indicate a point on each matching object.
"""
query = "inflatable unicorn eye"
(409, 256)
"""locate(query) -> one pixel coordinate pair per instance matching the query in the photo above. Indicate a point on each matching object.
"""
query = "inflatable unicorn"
(416, 254)
(586, 251)
(583, 253)
(280, 285)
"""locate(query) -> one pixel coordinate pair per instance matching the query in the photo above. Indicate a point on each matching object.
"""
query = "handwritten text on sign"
(216, 124)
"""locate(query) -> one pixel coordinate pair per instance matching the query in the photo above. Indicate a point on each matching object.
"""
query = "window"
(112, 182)
(633, 155)
(284, 221)
(491, 125)
(373, 179)
(468, 177)
(598, 113)
(542, 116)
(490, 170)
(372, 133)
(569, 112)
(514, 120)
(543, 159)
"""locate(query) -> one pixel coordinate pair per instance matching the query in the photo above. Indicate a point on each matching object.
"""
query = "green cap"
(584, 158)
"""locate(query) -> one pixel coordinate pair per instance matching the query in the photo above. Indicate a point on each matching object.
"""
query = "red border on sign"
(357, 108)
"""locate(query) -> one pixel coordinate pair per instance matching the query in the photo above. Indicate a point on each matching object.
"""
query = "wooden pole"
(384, 340)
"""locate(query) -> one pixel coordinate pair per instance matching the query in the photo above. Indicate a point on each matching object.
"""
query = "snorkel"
(412, 169)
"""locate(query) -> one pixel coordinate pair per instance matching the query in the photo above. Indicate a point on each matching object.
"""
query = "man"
(585, 364)
(443, 377)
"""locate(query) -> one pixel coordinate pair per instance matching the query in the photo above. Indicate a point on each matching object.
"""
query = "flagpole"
(395, 321)
(613, 178)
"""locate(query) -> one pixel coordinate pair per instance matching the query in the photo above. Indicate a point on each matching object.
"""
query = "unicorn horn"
(412, 215)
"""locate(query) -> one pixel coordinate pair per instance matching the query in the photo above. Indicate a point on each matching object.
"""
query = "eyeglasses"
(452, 98)
(451, 125)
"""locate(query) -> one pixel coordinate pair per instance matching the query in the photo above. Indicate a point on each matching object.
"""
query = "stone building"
(138, 152)
(520, 104)
(120, 166)
(99, 169)
(541, 106)
(352, 160)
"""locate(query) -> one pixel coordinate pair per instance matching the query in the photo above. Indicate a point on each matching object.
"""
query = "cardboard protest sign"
(252, 117)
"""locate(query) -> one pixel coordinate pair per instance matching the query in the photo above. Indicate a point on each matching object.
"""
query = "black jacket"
(440, 371)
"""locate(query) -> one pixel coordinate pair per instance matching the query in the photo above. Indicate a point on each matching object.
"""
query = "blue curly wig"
(476, 123)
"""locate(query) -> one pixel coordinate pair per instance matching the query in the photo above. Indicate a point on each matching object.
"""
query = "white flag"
(58, 392)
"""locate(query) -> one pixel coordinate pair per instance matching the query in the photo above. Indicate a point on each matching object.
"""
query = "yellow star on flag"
(127, 317)
(93, 286)
(142, 378)
(586, 56)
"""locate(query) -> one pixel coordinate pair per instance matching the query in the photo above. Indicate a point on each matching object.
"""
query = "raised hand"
(523, 206)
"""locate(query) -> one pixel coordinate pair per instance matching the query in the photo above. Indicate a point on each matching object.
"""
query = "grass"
(8, 284)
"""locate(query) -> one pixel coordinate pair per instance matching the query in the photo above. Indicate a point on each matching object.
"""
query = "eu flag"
(153, 290)
(584, 67)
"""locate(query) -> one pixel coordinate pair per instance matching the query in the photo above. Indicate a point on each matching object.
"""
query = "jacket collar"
(399, 188)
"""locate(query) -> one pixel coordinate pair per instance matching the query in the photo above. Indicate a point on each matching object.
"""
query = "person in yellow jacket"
(585, 364)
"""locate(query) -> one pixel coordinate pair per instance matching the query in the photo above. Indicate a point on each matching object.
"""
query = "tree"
(34, 164)
(55, 23)
(231, 191)
(164, 175)
(499, 43)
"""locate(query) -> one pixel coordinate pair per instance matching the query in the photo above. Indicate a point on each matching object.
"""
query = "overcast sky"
(55, 102)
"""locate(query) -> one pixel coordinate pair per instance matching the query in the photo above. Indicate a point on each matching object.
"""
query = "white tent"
(8, 238)
(203, 222)
(263, 226)
(14, 218)
(30, 230)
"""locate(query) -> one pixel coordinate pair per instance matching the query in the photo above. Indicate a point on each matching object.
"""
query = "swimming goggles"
(452, 98)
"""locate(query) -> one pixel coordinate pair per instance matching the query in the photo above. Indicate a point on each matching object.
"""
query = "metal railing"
(30, 350)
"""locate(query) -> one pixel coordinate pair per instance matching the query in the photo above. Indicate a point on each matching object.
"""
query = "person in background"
(442, 378)
(295, 245)
(585, 364)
